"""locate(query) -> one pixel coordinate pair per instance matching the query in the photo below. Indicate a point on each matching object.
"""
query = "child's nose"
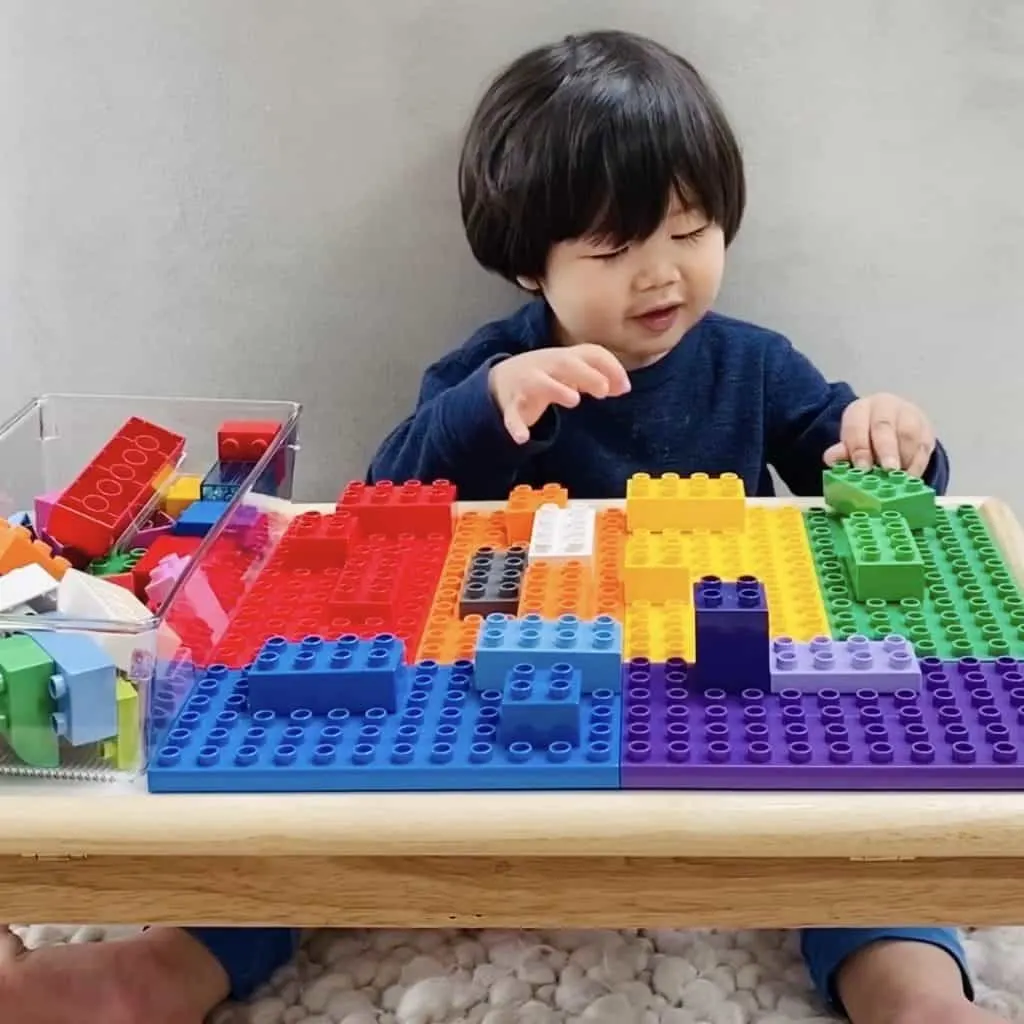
(657, 274)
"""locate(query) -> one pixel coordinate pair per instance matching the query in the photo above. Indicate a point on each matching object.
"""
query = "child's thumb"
(837, 453)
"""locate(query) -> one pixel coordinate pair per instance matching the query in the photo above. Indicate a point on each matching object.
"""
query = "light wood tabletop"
(111, 853)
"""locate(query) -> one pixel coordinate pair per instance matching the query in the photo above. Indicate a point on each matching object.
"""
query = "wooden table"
(115, 854)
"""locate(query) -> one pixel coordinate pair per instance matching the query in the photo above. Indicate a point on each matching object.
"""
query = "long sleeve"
(805, 414)
(457, 433)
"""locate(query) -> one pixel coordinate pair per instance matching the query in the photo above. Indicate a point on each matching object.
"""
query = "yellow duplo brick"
(660, 631)
(774, 549)
(652, 503)
(181, 492)
(125, 752)
(656, 568)
(713, 503)
(698, 502)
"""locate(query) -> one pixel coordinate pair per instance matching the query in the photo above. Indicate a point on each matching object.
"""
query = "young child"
(599, 174)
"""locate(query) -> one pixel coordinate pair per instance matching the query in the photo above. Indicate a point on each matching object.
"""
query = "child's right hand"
(525, 385)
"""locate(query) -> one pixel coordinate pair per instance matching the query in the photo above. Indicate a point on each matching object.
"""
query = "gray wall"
(256, 198)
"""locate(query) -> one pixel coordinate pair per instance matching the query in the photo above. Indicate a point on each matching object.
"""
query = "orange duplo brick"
(17, 548)
(553, 589)
(523, 503)
(611, 546)
(445, 638)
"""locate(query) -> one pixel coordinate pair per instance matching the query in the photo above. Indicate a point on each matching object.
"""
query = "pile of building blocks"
(682, 638)
(685, 638)
(108, 550)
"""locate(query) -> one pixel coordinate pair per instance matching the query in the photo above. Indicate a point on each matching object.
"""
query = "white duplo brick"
(563, 534)
(29, 585)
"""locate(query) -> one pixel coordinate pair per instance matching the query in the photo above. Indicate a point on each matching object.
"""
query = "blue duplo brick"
(224, 479)
(541, 706)
(83, 687)
(199, 518)
(322, 675)
(593, 647)
(444, 737)
(731, 634)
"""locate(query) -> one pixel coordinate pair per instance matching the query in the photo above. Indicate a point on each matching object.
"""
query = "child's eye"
(690, 236)
(610, 255)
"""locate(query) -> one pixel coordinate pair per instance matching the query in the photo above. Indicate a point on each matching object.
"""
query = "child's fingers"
(576, 373)
(916, 440)
(546, 390)
(885, 442)
(919, 462)
(608, 366)
(516, 425)
(536, 394)
(855, 434)
(837, 453)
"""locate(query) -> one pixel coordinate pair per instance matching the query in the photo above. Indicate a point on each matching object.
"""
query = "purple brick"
(731, 633)
(847, 666)
(964, 729)
(43, 507)
(156, 525)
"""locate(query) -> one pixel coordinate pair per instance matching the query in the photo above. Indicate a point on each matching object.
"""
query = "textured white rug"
(646, 977)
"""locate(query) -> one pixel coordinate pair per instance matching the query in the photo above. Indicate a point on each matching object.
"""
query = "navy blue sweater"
(731, 397)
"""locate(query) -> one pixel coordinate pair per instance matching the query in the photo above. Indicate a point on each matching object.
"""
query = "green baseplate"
(972, 603)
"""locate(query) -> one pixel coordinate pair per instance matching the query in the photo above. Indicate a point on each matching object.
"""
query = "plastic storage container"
(56, 713)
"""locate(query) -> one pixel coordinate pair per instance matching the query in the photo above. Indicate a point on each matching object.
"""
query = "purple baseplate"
(964, 729)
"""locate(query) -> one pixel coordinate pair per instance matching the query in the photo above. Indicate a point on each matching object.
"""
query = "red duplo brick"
(372, 580)
(413, 507)
(293, 600)
(245, 440)
(315, 540)
(100, 504)
(165, 544)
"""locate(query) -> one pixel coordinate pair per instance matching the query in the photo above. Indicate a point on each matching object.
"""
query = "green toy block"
(125, 752)
(115, 563)
(26, 707)
(849, 490)
(972, 604)
(884, 561)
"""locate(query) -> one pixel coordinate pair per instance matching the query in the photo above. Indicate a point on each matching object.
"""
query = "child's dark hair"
(589, 137)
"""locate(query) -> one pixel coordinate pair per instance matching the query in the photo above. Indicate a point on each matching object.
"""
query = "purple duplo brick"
(963, 728)
(847, 666)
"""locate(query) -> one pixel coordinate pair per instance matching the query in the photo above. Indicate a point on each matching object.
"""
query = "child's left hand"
(884, 430)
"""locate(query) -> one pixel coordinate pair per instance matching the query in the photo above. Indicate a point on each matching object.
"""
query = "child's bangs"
(630, 157)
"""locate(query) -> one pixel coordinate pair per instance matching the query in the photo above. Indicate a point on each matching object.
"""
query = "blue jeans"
(251, 955)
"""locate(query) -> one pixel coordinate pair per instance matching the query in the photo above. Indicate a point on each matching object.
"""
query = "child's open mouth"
(659, 320)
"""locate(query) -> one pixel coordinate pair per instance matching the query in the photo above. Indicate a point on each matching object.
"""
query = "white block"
(28, 585)
(563, 534)
(81, 596)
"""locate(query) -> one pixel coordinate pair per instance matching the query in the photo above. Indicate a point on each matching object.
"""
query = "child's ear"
(530, 284)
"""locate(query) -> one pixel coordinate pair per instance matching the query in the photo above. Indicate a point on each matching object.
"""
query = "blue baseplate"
(444, 737)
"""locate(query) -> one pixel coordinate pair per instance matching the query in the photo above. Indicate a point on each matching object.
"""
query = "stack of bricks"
(369, 568)
(668, 519)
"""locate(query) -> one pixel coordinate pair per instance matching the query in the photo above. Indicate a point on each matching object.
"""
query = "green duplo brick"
(25, 702)
(972, 604)
(884, 561)
(849, 490)
(116, 562)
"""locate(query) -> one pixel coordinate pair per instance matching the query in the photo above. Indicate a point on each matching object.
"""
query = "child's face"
(640, 299)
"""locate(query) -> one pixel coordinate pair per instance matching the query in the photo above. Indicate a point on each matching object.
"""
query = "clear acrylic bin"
(42, 450)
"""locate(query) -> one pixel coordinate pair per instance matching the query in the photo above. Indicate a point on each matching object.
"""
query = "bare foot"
(901, 982)
(163, 976)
